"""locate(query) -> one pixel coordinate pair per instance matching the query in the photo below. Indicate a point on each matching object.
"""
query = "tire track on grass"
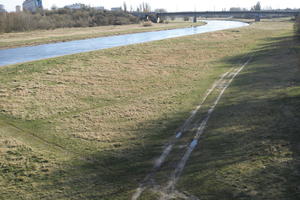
(169, 191)
(148, 180)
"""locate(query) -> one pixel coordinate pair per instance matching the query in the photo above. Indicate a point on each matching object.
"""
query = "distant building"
(76, 6)
(32, 5)
(18, 8)
(116, 9)
(2, 8)
(99, 8)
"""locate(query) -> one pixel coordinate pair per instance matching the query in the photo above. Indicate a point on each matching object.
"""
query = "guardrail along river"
(26, 54)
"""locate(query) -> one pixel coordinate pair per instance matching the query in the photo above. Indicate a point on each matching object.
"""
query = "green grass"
(88, 126)
(251, 147)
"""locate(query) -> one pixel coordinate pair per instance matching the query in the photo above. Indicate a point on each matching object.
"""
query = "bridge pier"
(158, 20)
(195, 19)
(257, 18)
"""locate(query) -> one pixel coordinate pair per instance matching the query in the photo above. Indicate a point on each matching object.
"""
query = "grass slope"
(88, 126)
(251, 147)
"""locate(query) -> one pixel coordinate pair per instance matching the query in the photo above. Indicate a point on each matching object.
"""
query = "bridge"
(257, 15)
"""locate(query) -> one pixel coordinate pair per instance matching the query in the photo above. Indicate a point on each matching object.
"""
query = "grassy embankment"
(251, 149)
(10, 40)
(88, 126)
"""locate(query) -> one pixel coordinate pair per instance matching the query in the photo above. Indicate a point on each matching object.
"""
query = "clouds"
(170, 5)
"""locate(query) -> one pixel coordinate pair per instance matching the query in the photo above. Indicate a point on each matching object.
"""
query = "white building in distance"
(32, 5)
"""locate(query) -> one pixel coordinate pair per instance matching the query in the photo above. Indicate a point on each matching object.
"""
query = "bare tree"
(144, 7)
(147, 7)
(124, 6)
(256, 7)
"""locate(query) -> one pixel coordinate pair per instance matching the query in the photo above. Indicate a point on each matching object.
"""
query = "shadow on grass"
(113, 174)
(251, 148)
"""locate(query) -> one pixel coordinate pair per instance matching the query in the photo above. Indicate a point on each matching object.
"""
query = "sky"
(169, 5)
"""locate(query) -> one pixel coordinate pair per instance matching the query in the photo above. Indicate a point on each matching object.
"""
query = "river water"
(26, 54)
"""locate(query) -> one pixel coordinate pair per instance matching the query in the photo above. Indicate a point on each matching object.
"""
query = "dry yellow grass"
(112, 90)
(112, 110)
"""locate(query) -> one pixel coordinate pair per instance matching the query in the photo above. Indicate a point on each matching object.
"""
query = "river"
(32, 53)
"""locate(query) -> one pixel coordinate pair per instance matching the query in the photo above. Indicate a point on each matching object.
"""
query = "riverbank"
(31, 38)
(27, 54)
(88, 126)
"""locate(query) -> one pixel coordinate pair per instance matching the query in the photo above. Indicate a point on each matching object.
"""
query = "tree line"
(62, 18)
(258, 7)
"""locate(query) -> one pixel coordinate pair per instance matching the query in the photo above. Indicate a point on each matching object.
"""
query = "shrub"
(61, 18)
(186, 19)
(147, 23)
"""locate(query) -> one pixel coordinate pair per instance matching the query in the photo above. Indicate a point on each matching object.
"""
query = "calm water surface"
(25, 54)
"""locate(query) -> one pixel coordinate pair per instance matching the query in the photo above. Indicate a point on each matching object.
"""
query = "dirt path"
(169, 191)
